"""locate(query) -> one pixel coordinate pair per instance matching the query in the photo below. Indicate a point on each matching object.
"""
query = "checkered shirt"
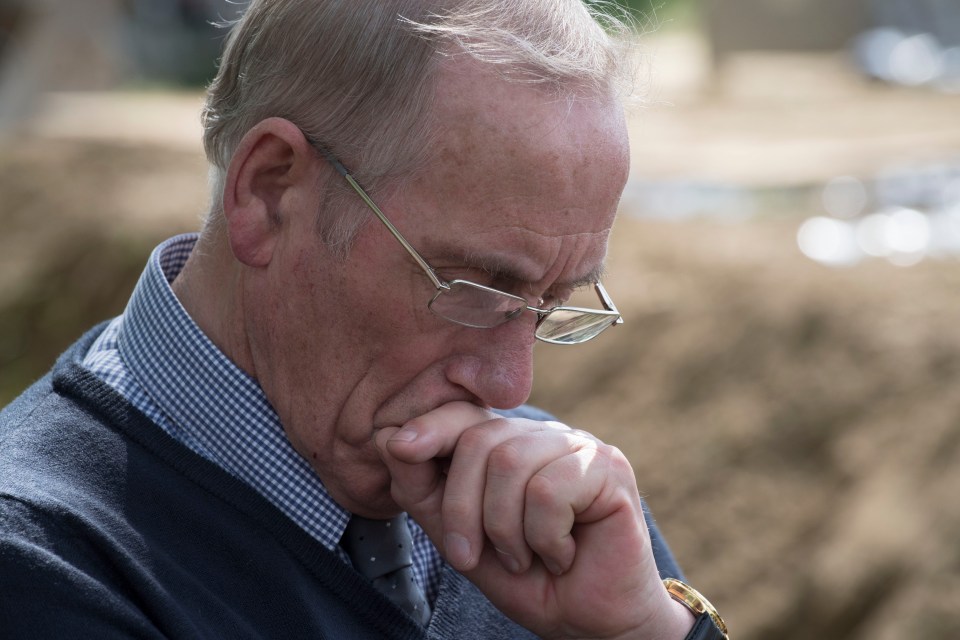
(157, 358)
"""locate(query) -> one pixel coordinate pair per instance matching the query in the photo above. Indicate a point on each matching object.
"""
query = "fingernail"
(406, 434)
(553, 567)
(457, 550)
(510, 563)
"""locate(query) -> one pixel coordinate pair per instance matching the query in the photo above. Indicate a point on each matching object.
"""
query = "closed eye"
(570, 295)
(553, 299)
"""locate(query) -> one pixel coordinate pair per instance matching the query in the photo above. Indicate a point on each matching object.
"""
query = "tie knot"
(382, 551)
(378, 547)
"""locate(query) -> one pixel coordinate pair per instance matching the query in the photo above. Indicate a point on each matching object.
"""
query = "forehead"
(519, 176)
(484, 120)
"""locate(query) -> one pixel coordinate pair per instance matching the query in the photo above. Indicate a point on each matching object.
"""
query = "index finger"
(435, 433)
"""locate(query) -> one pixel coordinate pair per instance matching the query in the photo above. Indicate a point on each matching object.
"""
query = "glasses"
(475, 305)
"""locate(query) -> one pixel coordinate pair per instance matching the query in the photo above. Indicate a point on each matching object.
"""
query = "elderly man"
(406, 193)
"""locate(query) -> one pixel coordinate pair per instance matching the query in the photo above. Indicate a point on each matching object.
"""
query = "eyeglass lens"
(566, 326)
(472, 305)
(469, 304)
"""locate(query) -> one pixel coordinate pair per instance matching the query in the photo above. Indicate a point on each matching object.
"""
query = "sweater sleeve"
(55, 586)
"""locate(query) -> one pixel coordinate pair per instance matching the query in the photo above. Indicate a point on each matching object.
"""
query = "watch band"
(705, 629)
(709, 624)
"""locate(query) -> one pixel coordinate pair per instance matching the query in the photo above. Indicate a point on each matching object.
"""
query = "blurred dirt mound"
(795, 429)
(79, 220)
(85, 280)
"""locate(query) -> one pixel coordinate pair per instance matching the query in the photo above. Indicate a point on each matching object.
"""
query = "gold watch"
(693, 600)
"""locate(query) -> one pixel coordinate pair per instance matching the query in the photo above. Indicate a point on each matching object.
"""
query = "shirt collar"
(221, 410)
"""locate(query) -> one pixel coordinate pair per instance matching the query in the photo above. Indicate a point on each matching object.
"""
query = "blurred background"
(787, 382)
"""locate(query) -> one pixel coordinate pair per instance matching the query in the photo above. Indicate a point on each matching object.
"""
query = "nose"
(496, 365)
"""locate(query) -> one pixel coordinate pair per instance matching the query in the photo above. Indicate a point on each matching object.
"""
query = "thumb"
(416, 487)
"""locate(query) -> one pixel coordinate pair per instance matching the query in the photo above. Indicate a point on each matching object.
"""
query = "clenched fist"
(545, 520)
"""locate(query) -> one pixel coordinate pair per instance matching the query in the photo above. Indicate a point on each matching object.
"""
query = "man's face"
(521, 195)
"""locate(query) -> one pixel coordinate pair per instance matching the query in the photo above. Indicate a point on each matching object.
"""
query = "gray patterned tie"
(382, 550)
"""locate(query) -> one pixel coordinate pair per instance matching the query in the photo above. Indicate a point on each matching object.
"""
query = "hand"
(546, 521)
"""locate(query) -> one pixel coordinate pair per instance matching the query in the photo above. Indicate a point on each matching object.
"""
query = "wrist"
(669, 620)
(682, 621)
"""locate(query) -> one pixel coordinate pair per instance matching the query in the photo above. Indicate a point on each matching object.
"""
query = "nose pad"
(541, 316)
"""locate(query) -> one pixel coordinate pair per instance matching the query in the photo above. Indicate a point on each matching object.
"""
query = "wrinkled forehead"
(513, 140)
(522, 173)
(480, 114)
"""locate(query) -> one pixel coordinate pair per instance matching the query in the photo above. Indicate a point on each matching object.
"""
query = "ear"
(272, 162)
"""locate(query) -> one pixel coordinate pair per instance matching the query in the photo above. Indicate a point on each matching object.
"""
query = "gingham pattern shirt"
(156, 357)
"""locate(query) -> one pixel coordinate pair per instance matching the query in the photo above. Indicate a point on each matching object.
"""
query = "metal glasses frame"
(609, 309)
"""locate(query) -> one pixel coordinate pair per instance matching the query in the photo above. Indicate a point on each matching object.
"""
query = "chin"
(379, 507)
(368, 494)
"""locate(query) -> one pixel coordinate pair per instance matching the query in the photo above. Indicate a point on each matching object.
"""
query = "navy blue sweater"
(109, 528)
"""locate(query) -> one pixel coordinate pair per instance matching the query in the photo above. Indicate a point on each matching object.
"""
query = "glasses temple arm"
(427, 269)
(342, 170)
(608, 303)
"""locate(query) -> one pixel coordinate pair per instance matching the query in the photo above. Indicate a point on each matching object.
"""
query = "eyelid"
(557, 298)
(472, 274)
(502, 271)
(556, 295)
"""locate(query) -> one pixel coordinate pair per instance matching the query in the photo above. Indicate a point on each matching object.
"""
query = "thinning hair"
(358, 76)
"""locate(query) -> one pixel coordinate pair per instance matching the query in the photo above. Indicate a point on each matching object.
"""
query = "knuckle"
(456, 508)
(618, 462)
(498, 529)
(541, 492)
(545, 541)
(471, 439)
(506, 459)
(479, 436)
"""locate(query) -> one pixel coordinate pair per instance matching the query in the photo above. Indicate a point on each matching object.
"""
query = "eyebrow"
(501, 268)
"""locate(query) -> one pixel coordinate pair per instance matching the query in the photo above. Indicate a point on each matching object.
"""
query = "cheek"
(409, 355)
(406, 380)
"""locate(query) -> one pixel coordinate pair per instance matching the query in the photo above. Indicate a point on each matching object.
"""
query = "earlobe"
(268, 166)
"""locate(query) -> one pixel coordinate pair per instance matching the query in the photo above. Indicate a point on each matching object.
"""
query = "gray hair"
(358, 76)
